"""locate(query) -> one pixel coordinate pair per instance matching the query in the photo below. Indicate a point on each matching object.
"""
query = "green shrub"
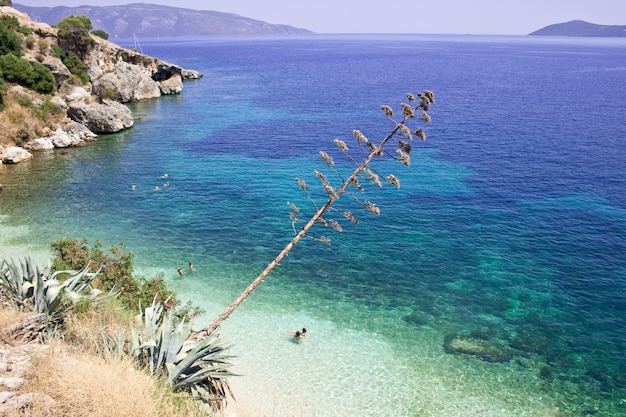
(29, 41)
(76, 67)
(10, 23)
(116, 273)
(43, 45)
(9, 41)
(20, 71)
(101, 34)
(73, 63)
(46, 110)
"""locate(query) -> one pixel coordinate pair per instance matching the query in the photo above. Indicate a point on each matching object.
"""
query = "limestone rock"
(15, 154)
(39, 144)
(190, 74)
(77, 93)
(58, 69)
(172, 85)
(59, 102)
(106, 117)
(126, 83)
(483, 349)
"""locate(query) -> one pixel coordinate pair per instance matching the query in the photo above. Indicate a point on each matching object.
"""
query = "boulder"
(190, 74)
(58, 69)
(39, 144)
(127, 82)
(15, 154)
(73, 134)
(106, 117)
(172, 85)
(77, 93)
(59, 102)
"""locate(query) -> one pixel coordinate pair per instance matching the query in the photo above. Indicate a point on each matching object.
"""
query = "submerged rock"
(483, 349)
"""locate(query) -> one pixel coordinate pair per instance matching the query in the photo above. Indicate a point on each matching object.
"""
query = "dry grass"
(88, 385)
(8, 318)
(83, 330)
(19, 123)
(71, 377)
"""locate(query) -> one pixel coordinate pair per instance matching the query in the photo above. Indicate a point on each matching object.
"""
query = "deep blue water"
(510, 222)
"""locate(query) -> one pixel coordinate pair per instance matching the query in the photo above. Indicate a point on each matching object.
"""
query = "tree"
(6, 3)
(74, 35)
(364, 171)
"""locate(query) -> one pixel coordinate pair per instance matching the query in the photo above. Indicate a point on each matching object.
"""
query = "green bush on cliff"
(30, 75)
(73, 63)
(100, 33)
(9, 40)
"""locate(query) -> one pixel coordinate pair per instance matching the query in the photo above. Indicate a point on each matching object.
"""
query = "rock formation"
(117, 75)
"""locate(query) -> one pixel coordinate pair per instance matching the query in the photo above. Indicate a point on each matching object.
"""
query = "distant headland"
(581, 28)
(153, 21)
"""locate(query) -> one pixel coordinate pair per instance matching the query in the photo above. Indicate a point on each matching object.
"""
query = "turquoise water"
(510, 224)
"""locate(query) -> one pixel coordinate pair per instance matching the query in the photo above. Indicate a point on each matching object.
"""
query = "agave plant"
(198, 367)
(25, 284)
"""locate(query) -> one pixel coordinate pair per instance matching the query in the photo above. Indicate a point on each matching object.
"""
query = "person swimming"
(298, 335)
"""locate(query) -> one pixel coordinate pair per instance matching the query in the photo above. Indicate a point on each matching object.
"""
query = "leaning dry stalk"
(408, 113)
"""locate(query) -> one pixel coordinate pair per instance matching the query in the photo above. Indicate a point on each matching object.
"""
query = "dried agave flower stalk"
(421, 104)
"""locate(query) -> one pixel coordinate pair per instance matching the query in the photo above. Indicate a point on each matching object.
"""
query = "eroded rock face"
(106, 117)
(15, 154)
(127, 82)
(172, 85)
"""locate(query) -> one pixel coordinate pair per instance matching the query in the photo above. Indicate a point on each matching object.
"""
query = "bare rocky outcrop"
(72, 134)
(106, 117)
(172, 85)
(127, 82)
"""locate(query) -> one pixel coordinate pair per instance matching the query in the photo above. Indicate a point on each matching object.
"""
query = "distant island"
(152, 21)
(581, 28)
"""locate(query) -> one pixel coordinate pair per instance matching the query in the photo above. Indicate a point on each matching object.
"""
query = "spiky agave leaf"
(164, 347)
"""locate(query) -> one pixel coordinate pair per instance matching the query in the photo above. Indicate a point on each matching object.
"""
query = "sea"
(508, 231)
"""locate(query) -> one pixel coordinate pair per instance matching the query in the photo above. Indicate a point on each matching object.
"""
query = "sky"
(476, 17)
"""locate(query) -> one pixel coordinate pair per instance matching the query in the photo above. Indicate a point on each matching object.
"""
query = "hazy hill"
(581, 28)
(151, 20)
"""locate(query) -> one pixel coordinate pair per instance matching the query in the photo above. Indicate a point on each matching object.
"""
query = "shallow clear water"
(510, 223)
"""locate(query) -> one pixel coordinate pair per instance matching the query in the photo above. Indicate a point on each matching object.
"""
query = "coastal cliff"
(77, 110)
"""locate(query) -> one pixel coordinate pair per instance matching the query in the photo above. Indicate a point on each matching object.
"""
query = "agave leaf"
(28, 289)
(207, 350)
(212, 372)
(165, 338)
